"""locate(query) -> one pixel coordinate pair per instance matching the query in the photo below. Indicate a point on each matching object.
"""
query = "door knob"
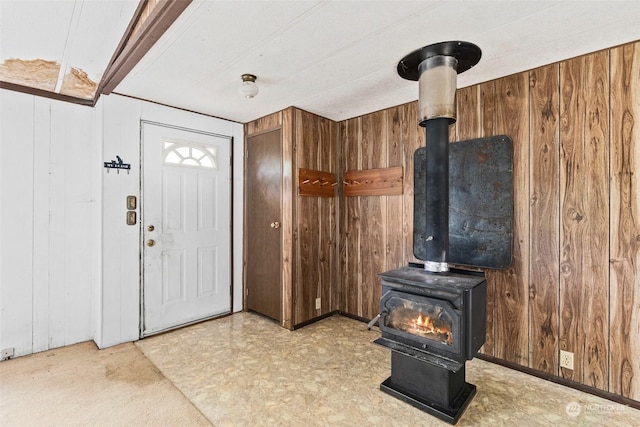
(150, 228)
(151, 242)
(275, 224)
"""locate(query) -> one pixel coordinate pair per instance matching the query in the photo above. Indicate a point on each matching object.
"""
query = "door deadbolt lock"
(150, 228)
(151, 242)
(275, 224)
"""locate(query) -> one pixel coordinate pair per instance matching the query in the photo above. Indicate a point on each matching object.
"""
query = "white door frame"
(230, 138)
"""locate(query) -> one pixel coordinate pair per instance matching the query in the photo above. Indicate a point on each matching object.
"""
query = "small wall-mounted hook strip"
(315, 183)
(117, 165)
(374, 182)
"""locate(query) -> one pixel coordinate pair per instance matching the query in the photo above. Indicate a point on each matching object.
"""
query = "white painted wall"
(69, 264)
(119, 301)
(46, 223)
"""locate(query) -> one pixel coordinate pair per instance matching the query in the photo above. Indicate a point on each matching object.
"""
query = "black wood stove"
(433, 318)
(433, 323)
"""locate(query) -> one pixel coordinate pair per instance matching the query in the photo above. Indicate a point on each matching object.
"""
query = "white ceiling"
(334, 58)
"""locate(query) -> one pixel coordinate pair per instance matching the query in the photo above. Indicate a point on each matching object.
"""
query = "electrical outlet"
(566, 359)
(7, 353)
(318, 304)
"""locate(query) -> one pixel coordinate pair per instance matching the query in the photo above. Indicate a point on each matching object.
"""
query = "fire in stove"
(436, 325)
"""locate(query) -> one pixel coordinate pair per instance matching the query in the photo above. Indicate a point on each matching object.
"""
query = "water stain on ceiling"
(45, 75)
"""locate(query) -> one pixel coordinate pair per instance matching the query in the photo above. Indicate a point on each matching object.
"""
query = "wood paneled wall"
(309, 224)
(574, 284)
(314, 234)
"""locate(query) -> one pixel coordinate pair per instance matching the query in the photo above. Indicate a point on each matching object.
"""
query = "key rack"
(374, 182)
(316, 183)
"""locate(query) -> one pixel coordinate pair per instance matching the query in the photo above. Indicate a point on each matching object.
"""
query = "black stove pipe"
(437, 194)
(435, 68)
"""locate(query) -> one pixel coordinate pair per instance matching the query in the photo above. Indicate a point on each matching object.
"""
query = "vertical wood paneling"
(394, 251)
(315, 223)
(352, 275)
(545, 222)
(487, 128)
(373, 214)
(325, 249)
(288, 215)
(584, 217)
(414, 137)
(262, 124)
(624, 371)
(307, 227)
(529, 317)
(469, 118)
(512, 284)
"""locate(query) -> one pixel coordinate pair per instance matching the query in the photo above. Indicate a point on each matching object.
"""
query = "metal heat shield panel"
(480, 202)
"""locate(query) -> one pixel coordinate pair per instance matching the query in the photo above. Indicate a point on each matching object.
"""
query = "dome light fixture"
(249, 88)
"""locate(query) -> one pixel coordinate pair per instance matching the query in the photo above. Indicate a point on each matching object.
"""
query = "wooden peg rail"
(316, 183)
(374, 182)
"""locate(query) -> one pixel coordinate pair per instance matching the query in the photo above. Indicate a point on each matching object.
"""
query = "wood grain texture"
(512, 284)
(315, 222)
(315, 183)
(265, 123)
(414, 137)
(584, 322)
(487, 128)
(523, 302)
(545, 223)
(350, 228)
(373, 214)
(288, 215)
(624, 373)
(395, 158)
(469, 118)
(374, 182)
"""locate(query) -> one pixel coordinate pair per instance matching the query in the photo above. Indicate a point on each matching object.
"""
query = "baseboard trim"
(562, 381)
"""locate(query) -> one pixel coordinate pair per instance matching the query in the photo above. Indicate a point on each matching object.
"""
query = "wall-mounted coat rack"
(316, 183)
(374, 182)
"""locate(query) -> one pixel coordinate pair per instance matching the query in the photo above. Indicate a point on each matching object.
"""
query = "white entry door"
(186, 227)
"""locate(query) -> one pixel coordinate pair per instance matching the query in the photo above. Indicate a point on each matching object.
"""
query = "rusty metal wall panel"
(480, 202)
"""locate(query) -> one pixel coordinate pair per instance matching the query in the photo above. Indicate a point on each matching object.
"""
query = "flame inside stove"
(423, 325)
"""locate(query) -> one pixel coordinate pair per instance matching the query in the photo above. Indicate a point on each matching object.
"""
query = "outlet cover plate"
(566, 359)
(7, 353)
(318, 304)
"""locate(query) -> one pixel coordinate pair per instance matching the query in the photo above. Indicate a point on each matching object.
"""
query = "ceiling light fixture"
(249, 88)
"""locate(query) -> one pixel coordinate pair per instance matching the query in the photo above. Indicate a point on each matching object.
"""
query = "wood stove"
(433, 323)
(433, 318)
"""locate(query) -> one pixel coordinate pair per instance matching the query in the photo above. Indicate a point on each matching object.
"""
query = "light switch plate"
(132, 203)
(131, 217)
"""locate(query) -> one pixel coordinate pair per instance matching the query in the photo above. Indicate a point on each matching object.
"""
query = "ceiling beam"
(138, 41)
(45, 93)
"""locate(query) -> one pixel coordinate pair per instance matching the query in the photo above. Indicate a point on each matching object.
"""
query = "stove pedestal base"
(430, 388)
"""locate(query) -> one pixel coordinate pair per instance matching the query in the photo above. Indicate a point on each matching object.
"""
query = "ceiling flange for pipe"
(467, 54)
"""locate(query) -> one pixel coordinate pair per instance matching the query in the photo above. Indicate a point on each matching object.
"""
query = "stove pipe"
(436, 67)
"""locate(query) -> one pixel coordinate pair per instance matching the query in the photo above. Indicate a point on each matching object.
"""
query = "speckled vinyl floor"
(244, 370)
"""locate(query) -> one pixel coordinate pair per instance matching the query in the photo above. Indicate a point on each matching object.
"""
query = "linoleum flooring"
(245, 370)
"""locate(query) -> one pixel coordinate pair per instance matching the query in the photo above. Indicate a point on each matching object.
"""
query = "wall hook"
(117, 165)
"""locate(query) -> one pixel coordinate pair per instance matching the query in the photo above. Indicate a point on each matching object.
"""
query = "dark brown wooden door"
(263, 247)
